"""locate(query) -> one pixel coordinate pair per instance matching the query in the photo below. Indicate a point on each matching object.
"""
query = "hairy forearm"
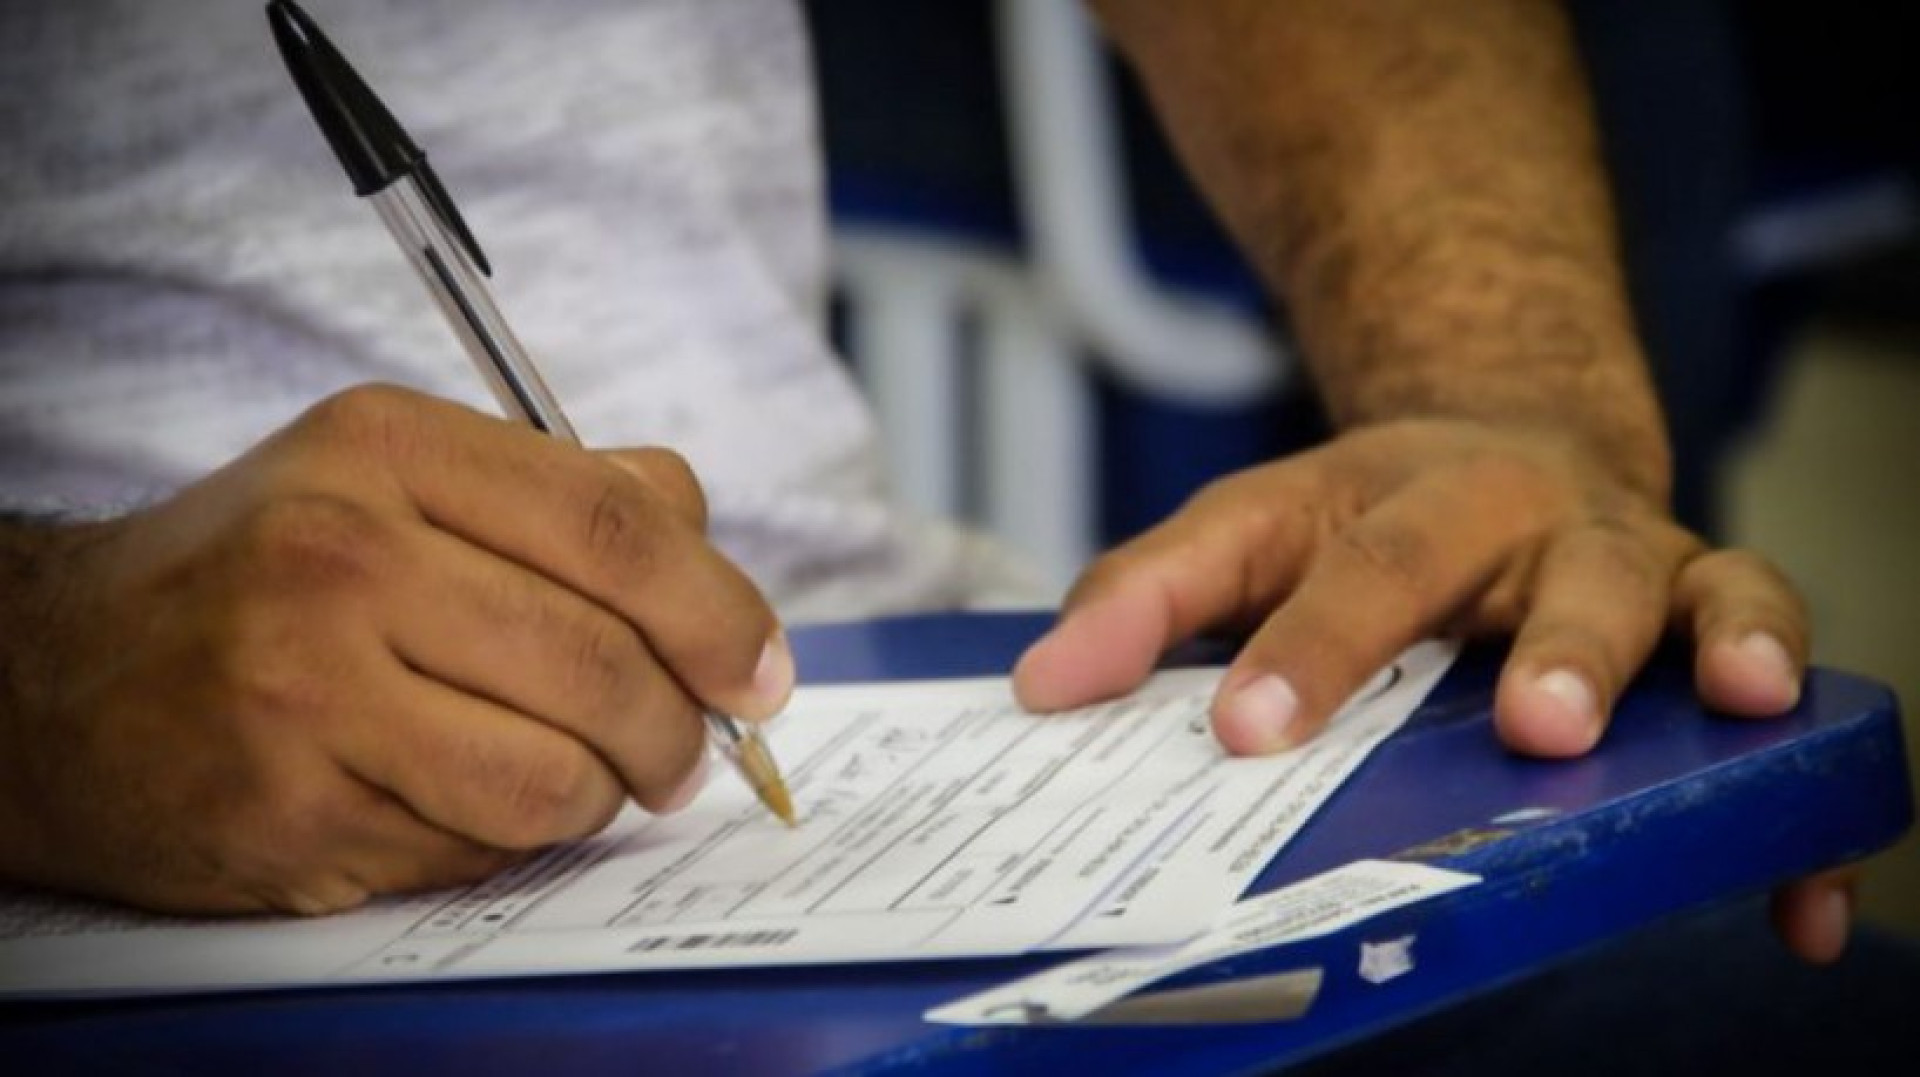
(33, 553)
(41, 577)
(25, 543)
(1421, 180)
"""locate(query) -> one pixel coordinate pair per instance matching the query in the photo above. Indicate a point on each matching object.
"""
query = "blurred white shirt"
(183, 267)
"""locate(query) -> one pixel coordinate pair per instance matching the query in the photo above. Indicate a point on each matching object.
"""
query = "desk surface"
(1677, 809)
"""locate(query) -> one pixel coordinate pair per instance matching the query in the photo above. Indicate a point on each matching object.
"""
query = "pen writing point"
(781, 804)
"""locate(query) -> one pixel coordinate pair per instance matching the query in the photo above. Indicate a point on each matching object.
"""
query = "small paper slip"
(936, 820)
(1318, 906)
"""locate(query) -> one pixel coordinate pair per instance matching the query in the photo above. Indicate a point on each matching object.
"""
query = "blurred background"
(1071, 346)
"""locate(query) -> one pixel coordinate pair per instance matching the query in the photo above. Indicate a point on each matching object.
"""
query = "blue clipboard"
(1677, 809)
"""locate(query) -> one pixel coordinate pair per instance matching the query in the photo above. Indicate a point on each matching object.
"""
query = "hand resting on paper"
(1338, 558)
(1422, 184)
(398, 645)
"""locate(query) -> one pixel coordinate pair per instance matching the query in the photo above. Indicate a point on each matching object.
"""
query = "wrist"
(39, 577)
(1482, 326)
(1611, 419)
(26, 546)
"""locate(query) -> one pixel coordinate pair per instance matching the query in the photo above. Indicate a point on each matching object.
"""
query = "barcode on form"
(770, 937)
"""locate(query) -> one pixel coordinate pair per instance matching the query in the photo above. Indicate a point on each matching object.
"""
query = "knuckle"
(671, 475)
(1533, 494)
(599, 666)
(1758, 568)
(1736, 571)
(546, 796)
(267, 672)
(372, 418)
(1675, 542)
(619, 528)
(1746, 584)
(317, 541)
(587, 656)
(1498, 610)
(1347, 655)
(1398, 558)
(1626, 554)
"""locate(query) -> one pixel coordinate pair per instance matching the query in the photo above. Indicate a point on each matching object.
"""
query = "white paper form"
(936, 819)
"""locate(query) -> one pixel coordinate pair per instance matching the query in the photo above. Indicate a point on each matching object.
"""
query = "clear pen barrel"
(461, 293)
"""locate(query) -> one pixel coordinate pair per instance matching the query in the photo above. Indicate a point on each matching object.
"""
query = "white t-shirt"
(183, 267)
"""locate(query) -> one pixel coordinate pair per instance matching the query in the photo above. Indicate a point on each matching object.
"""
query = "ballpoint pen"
(389, 170)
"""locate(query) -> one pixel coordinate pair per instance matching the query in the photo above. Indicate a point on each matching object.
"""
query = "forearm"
(33, 552)
(1421, 180)
(27, 545)
(43, 574)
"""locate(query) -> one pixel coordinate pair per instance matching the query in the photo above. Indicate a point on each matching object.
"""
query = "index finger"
(1374, 588)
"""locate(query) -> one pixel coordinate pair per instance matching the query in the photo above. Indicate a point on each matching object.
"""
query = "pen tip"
(756, 761)
(780, 802)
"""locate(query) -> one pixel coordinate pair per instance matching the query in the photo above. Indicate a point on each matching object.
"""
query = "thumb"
(1111, 632)
(1208, 565)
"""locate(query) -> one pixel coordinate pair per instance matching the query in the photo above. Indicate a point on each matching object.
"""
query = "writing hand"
(398, 645)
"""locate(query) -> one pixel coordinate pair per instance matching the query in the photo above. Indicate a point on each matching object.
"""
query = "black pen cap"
(372, 146)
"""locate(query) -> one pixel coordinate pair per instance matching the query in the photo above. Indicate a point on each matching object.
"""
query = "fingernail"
(773, 674)
(696, 780)
(1579, 711)
(1256, 717)
(1834, 911)
(1764, 651)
